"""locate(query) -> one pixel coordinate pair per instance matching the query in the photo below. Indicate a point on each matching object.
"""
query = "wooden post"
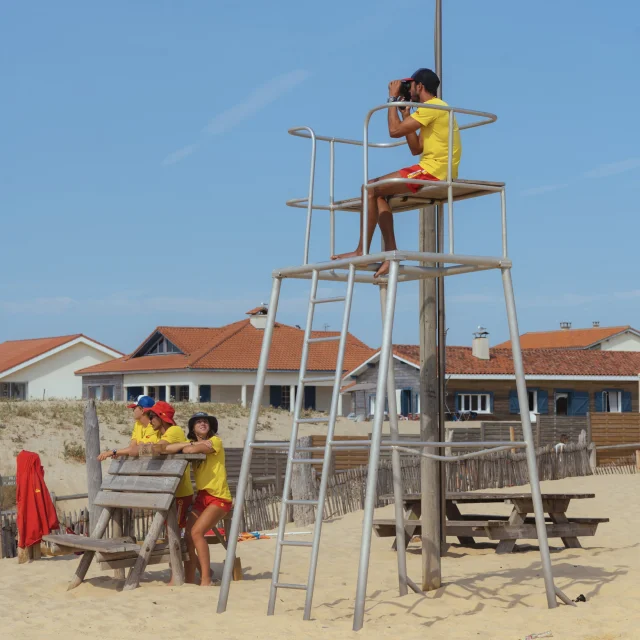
(92, 451)
(512, 437)
(302, 486)
(638, 459)
(118, 532)
(430, 478)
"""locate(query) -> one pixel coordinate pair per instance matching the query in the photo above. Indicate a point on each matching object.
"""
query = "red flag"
(36, 513)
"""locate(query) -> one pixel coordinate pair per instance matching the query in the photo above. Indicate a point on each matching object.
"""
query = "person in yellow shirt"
(427, 134)
(161, 415)
(142, 432)
(214, 498)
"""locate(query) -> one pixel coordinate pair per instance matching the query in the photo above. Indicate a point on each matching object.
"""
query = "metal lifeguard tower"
(405, 266)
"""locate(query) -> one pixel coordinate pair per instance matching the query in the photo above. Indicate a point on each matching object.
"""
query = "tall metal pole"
(442, 327)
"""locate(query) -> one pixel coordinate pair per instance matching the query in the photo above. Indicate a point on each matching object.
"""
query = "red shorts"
(204, 499)
(416, 172)
(182, 505)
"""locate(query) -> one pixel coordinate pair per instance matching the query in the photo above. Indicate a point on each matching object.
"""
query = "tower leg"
(232, 536)
(374, 452)
(532, 464)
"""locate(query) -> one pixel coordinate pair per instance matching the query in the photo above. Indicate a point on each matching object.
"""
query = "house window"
(285, 400)
(562, 404)
(14, 390)
(478, 402)
(183, 393)
(101, 392)
(533, 401)
(612, 401)
(163, 346)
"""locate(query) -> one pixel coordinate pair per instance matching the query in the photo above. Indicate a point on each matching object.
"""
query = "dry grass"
(7, 497)
(74, 451)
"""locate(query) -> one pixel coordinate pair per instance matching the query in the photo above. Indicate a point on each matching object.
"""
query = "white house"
(219, 364)
(43, 368)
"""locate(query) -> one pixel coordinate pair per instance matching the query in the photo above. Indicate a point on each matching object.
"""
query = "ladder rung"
(306, 460)
(311, 420)
(325, 300)
(296, 543)
(318, 379)
(290, 585)
(301, 502)
(327, 339)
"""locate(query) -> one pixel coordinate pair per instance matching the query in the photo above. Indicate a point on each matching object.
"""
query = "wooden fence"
(615, 428)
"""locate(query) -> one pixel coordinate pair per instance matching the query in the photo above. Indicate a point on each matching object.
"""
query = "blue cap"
(146, 402)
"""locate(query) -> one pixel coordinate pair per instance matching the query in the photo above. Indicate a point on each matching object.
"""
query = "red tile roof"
(16, 352)
(552, 362)
(564, 338)
(237, 347)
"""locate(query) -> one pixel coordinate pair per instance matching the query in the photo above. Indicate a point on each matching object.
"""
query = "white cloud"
(258, 99)
(613, 168)
(180, 154)
(536, 191)
(238, 113)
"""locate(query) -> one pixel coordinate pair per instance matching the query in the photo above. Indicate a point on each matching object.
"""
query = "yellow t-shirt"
(144, 434)
(434, 127)
(211, 474)
(172, 435)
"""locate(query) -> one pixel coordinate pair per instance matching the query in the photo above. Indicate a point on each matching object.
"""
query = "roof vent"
(258, 317)
(565, 326)
(480, 344)
(596, 324)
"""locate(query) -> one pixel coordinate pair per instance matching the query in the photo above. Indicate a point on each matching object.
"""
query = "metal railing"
(308, 203)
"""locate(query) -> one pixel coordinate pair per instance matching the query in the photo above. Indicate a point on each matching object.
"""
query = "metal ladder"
(303, 381)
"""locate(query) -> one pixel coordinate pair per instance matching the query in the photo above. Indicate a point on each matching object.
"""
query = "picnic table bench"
(140, 483)
(507, 530)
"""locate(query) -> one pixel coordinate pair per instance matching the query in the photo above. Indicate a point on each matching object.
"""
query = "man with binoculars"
(427, 134)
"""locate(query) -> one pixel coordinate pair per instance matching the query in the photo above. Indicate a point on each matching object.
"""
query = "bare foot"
(352, 254)
(383, 270)
(212, 583)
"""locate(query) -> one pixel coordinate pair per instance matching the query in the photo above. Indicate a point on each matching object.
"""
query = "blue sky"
(144, 160)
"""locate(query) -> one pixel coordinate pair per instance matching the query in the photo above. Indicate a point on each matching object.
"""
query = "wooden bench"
(139, 483)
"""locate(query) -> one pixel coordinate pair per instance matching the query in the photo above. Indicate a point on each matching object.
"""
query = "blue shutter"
(514, 405)
(457, 402)
(626, 401)
(599, 401)
(578, 403)
(543, 402)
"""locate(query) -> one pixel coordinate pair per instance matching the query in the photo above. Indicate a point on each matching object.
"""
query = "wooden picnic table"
(507, 530)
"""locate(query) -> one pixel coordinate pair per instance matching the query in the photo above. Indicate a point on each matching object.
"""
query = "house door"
(562, 404)
(405, 402)
(309, 397)
(205, 393)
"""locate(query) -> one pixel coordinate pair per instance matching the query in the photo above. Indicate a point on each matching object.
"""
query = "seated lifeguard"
(427, 134)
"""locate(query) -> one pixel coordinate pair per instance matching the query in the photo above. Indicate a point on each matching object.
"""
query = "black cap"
(428, 79)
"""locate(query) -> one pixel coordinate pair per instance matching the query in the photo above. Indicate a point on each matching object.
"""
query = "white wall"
(622, 342)
(54, 376)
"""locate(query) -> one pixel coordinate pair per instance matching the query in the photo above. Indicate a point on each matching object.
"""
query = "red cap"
(163, 410)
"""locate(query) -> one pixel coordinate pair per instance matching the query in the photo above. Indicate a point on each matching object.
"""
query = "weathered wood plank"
(141, 484)
(117, 522)
(147, 467)
(173, 539)
(126, 563)
(497, 530)
(133, 579)
(105, 545)
(159, 501)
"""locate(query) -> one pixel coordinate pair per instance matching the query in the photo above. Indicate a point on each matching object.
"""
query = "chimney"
(258, 317)
(596, 324)
(480, 344)
(565, 326)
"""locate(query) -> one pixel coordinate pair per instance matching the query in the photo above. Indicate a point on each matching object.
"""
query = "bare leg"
(197, 528)
(376, 199)
(385, 220)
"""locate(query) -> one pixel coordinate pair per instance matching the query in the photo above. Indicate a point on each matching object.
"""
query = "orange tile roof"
(564, 338)
(552, 362)
(237, 347)
(16, 352)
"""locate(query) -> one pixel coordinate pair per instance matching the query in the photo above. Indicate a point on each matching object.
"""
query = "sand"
(484, 596)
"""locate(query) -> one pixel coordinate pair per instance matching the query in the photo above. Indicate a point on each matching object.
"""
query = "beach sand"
(484, 596)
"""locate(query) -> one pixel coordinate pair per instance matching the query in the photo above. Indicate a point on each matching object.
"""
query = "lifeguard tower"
(431, 264)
